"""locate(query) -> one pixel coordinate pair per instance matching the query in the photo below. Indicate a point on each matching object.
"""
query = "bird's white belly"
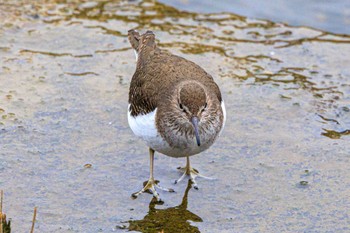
(224, 113)
(144, 127)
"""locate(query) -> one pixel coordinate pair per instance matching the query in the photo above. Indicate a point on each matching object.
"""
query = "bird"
(174, 105)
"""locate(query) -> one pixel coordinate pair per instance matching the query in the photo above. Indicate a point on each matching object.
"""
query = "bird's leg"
(192, 172)
(151, 184)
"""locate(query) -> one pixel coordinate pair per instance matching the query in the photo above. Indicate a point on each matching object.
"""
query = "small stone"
(88, 5)
(285, 97)
(120, 226)
(303, 183)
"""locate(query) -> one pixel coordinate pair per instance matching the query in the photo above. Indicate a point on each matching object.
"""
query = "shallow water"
(282, 162)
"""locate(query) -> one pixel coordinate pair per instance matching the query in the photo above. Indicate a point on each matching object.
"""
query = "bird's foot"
(193, 174)
(150, 187)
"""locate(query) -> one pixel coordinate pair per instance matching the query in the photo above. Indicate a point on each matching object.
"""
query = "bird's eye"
(205, 106)
(182, 108)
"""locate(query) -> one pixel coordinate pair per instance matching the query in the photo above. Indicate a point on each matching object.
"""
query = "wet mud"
(281, 164)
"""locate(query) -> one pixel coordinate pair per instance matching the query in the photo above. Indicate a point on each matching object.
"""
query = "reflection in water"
(173, 219)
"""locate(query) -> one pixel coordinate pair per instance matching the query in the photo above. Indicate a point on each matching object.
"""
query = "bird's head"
(192, 102)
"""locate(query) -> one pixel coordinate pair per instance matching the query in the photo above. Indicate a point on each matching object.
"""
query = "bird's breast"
(180, 145)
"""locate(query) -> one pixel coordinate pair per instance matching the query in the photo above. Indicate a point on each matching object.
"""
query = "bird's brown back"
(158, 72)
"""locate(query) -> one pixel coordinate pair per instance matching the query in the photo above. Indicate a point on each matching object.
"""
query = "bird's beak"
(194, 121)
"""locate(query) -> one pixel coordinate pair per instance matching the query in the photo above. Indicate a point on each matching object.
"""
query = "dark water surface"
(331, 16)
(282, 162)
